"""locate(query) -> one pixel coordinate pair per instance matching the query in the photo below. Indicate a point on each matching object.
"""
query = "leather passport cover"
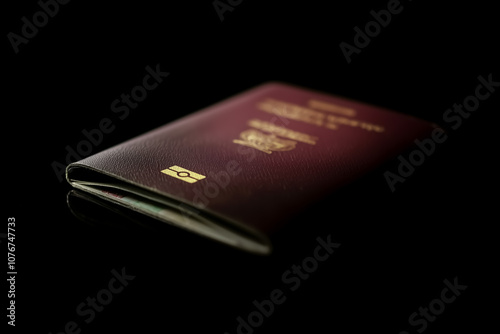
(237, 170)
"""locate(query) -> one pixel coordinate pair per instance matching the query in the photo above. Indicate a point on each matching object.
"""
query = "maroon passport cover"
(246, 164)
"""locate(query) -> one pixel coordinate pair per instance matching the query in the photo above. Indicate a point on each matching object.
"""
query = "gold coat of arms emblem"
(264, 142)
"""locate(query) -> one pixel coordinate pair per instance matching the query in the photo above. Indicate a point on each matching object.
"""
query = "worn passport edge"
(181, 213)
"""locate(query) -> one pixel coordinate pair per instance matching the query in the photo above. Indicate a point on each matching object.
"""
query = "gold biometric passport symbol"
(263, 142)
(183, 174)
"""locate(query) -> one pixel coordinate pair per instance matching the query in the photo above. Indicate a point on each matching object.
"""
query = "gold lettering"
(310, 116)
(292, 111)
(283, 132)
(332, 108)
(332, 126)
(354, 123)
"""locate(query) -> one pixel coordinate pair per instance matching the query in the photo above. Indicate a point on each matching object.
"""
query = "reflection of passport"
(236, 171)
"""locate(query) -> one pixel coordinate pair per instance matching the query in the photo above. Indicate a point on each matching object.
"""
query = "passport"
(236, 171)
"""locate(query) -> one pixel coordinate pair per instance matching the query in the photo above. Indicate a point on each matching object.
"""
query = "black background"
(396, 248)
